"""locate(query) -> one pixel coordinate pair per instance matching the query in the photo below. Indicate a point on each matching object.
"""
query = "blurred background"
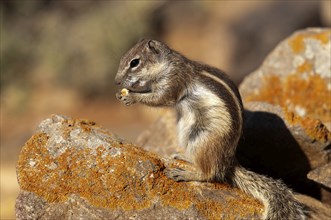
(60, 57)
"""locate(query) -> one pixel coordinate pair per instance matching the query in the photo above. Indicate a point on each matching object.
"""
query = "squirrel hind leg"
(180, 174)
(192, 171)
(189, 172)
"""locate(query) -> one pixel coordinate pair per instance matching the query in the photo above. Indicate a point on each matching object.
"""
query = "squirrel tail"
(278, 200)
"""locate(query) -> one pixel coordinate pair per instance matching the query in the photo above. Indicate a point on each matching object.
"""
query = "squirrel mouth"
(140, 87)
(140, 91)
(136, 86)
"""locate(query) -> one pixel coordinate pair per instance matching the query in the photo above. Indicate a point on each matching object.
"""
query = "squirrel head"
(143, 65)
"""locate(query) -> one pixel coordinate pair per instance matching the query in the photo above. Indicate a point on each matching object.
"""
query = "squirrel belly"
(209, 121)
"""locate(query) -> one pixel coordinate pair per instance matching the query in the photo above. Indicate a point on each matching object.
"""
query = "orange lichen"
(293, 92)
(297, 42)
(131, 180)
(311, 94)
(233, 208)
(306, 67)
(74, 174)
(314, 128)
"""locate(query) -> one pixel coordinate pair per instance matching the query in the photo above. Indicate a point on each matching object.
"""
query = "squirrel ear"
(154, 46)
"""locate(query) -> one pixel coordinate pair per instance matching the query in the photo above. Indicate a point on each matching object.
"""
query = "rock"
(295, 76)
(281, 147)
(322, 175)
(318, 210)
(73, 169)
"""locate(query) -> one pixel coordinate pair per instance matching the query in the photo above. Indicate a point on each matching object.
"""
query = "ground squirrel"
(209, 120)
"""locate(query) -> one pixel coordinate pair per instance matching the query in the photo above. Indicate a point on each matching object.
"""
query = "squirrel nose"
(117, 81)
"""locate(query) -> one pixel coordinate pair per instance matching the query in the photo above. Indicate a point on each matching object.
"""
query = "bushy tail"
(277, 199)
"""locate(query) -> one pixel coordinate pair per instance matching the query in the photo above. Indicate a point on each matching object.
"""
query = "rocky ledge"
(295, 80)
(74, 168)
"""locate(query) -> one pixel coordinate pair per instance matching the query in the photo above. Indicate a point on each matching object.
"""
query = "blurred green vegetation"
(72, 44)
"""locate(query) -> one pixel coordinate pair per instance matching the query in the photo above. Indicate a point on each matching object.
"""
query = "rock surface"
(297, 77)
(74, 169)
(322, 175)
(283, 147)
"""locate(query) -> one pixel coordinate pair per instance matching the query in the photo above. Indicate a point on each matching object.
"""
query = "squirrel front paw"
(179, 156)
(125, 97)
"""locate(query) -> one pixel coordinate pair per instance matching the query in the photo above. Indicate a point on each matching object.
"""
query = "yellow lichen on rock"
(314, 128)
(297, 42)
(306, 67)
(233, 210)
(297, 78)
(310, 96)
(307, 99)
(77, 157)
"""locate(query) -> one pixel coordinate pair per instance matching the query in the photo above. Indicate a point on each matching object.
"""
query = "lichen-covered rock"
(276, 146)
(72, 169)
(296, 76)
(322, 175)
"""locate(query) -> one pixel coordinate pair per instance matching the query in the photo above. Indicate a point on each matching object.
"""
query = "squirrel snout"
(118, 80)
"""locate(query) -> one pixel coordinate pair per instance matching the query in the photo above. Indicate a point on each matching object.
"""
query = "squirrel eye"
(134, 63)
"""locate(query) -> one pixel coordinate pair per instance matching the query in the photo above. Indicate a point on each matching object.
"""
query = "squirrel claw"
(178, 156)
(127, 99)
(176, 174)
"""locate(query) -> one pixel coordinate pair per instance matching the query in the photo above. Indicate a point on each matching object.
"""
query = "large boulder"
(295, 81)
(74, 169)
(296, 76)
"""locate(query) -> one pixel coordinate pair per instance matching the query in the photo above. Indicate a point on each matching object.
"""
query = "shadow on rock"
(269, 148)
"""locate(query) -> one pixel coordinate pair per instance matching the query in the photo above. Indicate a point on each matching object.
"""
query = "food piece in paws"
(124, 92)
